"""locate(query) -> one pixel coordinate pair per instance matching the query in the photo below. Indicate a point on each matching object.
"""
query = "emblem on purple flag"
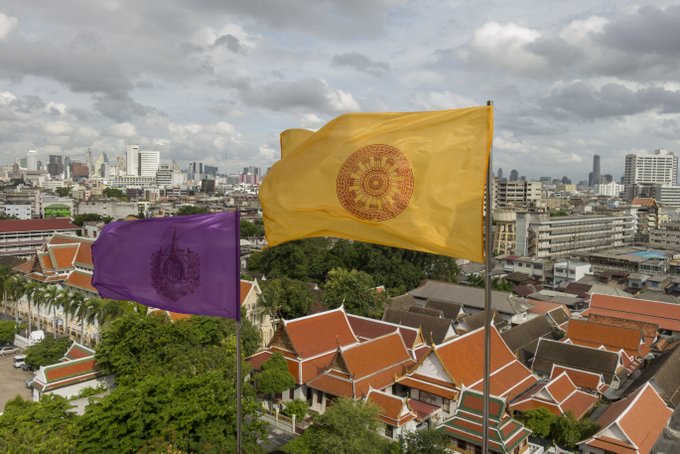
(187, 264)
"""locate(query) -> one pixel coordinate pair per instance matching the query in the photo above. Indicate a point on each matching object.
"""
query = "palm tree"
(17, 287)
(51, 299)
(32, 291)
(68, 303)
(5, 282)
(85, 307)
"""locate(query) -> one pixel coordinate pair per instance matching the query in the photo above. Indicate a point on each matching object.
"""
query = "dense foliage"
(286, 298)
(347, 427)
(114, 193)
(63, 192)
(192, 209)
(47, 351)
(45, 426)
(565, 430)
(175, 392)
(310, 260)
(7, 331)
(274, 377)
(427, 441)
(296, 407)
(80, 219)
(356, 290)
(251, 228)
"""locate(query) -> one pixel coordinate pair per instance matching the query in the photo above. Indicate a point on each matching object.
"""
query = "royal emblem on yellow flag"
(410, 180)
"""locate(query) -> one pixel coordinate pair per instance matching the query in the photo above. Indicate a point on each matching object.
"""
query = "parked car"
(19, 360)
(26, 367)
(4, 351)
(29, 383)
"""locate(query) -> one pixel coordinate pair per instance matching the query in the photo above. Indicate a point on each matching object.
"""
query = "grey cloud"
(230, 42)
(583, 102)
(311, 94)
(119, 108)
(361, 62)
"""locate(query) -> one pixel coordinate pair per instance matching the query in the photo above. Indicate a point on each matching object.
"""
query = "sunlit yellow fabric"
(447, 151)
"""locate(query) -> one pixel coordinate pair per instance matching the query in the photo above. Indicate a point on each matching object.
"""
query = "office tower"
(120, 165)
(149, 162)
(210, 170)
(132, 160)
(596, 170)
(56, 165)
(660, 167)
(89, 161)
(514, 175)
(32, 160)
(500, 173)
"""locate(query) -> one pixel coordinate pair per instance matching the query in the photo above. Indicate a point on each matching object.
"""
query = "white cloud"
(7, 25)
(58, 128)
(505, 45)
(310, 121)
(267, 153)
(6, 98)
(125, 130)
(581, 31)
(342, 101)
(434, 100)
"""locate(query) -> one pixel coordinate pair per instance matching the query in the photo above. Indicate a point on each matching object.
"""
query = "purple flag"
(186, 264)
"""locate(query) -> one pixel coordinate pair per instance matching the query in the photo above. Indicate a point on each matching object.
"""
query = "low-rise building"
(23, 238)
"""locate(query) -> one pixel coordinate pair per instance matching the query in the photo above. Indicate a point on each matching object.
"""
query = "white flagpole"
(488, 238)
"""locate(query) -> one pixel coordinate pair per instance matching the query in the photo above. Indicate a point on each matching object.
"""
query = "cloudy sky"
(217, 80)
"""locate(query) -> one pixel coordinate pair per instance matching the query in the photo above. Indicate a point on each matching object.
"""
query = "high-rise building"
(132, 160)
(596, 170)
(500, 174)
(149, 161)
(32, 160)
(120, 165)
(514, 175)
(56, 165)
(647, 169)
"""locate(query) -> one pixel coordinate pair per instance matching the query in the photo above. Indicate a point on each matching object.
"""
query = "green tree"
(114, 193)
(305, 260)
(47, 351)
(428, 441)
(274, 377)
(286, 298)
(565, 431)
(539, 420)
(251, 229)
(63, 192)
(45, 426)
(191, 209)
(356, 291)
(81, 219)
(296, 407)
(347, 427)
(7, 331)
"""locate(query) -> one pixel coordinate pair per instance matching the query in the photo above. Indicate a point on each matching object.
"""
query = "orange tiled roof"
(644, 201)
(666, 315)
(25, 267)
(62, 256)
(81, 280)
(69, 369)
(463, 357)
(245, 289)
(84, 256)
(77, 351)
(319, 333)
(612, 337)
(371, 356)
(394, 410)
(441, 391)
(45, 262)
(368, 328)
(581, 378)
(58, 238)
(37, 225)
(560, 388)
(649, 330)
(641, 417)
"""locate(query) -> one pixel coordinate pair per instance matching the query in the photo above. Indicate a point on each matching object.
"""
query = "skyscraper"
(132, 160)
(149, 161)
(500, 174)
(596, 170)
(514, 175)
(32, 160)
(55, 166)
(649, 169)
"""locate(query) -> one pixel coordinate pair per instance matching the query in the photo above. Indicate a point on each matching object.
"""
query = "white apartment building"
(19, 211)
(132, 160)
(612, 189)
(570, 271)
(657, 168)
(666, 194)
(149, 161)
(517, 193)
(32, 160)
(545, 236)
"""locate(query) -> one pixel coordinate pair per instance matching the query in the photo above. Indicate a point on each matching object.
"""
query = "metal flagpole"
(488, 242)
(239, 372)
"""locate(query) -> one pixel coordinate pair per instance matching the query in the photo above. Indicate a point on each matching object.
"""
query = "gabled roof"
(77, 351)
(550, 352)
(394, 410)
(521, 336)
(664, 374)
(632, 424)
(451, 310)
(81, 280)
(463, 360)
(666, 315)
(434, 329)
(359, 367)
(613, 338)
(319, 333)
(649, 330)
(426, 311)
(475, 321)
(559, 395)
(465, 296)
(369, 328)
(77, 365)
(505, 433)
(581, 378)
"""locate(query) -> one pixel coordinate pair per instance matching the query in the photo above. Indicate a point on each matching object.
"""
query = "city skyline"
(217, 83)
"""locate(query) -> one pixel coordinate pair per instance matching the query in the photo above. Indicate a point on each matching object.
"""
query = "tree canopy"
(7, 331)
(347, 427)
(47, 351)
(274, 377)
(80, 219)
(192, 209)
(286, 298)
(356, 291)
(427, 441)
(251, 228)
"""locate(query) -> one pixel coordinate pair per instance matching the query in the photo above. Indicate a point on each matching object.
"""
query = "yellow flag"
(410, 180)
